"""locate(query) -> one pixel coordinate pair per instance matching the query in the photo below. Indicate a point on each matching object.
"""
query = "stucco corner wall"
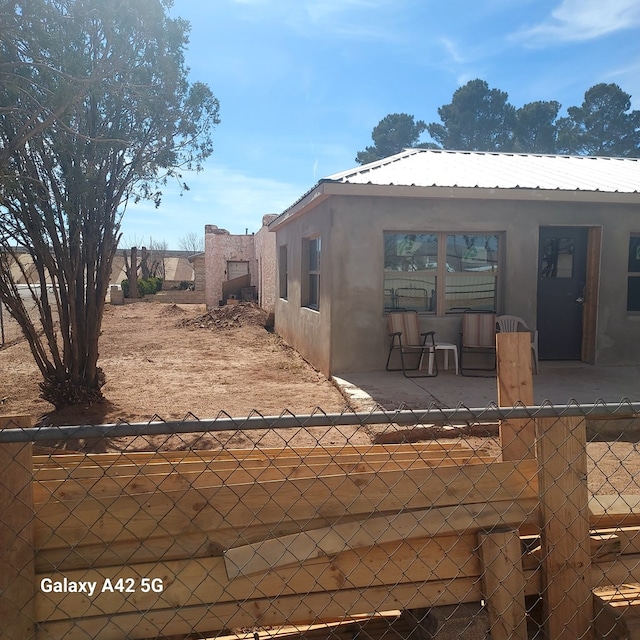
(221, 247)
(308, 331)
(265, 250)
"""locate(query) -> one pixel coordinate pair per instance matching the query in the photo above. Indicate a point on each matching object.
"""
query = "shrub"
(146, 287)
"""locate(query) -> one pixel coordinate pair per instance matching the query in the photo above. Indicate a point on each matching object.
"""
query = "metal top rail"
(255, 421)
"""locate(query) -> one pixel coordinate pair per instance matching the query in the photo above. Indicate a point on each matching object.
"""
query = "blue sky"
(302, 83)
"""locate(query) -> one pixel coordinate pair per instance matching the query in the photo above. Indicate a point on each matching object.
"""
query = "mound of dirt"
(245, 314)
(173, 310)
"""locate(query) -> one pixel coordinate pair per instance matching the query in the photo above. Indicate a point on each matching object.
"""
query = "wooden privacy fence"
(198, 542)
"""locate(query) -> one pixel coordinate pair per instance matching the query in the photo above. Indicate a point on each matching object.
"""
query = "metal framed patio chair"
(411, 345)
(513, 324)
(478, 338)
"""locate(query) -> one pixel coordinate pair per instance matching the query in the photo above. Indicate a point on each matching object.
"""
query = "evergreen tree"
(602, 126)
(535, 127)
(391, 135)
(477, 119)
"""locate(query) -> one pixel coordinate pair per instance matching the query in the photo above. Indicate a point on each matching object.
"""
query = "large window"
(440, 272)
(633, 275)
(311, 277)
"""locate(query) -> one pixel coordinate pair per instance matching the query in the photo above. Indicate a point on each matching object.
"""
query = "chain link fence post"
(17, 550)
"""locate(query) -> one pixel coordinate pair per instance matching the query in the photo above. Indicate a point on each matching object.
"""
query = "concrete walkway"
(558, 383)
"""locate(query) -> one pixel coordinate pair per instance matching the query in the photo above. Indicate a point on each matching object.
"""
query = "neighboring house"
(234, 263)
(174, 267)
(553, 239)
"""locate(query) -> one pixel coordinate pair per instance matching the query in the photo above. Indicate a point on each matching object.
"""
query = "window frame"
(439, 303)
(311, 272)
(632, 274)
(283, 272)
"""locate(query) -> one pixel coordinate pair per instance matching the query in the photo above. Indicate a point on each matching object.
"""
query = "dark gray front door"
(562, 265)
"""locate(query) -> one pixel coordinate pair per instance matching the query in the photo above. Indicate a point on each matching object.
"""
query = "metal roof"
(487, 170)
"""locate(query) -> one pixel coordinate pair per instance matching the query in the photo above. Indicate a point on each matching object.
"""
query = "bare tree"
(192, 242)
(157, 255)
(65, 185)
(131, 268)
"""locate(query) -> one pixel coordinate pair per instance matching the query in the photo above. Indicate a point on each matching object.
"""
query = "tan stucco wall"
(306, 330)
(618, 332)
(222, 247)
(352, 270)
(265, 249)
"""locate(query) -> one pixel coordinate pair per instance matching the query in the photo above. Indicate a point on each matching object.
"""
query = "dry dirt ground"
(171, 361)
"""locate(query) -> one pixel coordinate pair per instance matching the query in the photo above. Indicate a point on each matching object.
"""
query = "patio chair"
(513, 324)
(408, 341)
(478, 338)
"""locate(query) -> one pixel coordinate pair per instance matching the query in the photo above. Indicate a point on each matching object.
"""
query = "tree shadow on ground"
(78, 415)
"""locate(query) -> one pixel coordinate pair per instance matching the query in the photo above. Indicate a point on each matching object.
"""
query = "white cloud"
(350, 19)
(628, 77)
(319, 10)
(347, 19)
(219, 195)
(582, 20)
(453, 50)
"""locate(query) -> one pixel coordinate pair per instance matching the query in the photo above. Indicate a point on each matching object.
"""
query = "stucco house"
(553, 239)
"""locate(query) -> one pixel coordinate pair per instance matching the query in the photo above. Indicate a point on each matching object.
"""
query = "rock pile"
(244, 314)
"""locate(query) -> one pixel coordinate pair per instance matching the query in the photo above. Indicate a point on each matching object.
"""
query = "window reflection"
(417, 264)
(472, 269)
(557, 258)
(410, 264)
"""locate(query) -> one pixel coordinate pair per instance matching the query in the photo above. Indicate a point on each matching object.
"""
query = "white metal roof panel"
(475, 169)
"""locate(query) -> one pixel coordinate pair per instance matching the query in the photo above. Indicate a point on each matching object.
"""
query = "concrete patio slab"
(558, 383)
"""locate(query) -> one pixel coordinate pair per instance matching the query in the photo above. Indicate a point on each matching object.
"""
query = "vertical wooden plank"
(515, 385)
(564, 497)
(17, 551)
(503, 584)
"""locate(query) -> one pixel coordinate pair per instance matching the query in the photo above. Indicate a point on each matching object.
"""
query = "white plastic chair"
(513, 324)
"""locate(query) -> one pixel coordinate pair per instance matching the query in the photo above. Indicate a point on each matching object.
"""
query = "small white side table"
(445, 347)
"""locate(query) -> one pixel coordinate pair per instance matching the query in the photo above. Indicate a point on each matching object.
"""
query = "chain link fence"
(408, 524)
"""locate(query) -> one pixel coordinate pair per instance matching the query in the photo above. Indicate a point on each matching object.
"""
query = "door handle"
(580, 300)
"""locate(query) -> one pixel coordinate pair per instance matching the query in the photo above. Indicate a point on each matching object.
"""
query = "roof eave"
(327, 188)
(309, 200)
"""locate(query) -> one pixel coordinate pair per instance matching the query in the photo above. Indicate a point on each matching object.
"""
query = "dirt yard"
(169, 361)
(172, 362)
